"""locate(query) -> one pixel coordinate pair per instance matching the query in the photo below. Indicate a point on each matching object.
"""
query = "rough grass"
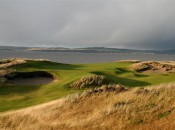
(152, 66)
(11, 62)
(151, 108)
(88, 81)
(14, 96)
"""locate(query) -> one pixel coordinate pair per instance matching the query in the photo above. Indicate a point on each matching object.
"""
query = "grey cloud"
(118, 23)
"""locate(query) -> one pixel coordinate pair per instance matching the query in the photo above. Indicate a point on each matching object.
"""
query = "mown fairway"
(15, 97)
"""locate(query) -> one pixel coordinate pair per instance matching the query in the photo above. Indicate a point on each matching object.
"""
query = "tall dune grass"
(152, 108)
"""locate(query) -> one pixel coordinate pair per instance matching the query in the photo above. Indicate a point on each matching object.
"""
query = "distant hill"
(87, 50)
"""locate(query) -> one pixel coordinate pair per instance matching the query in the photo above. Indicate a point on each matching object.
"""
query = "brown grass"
(5, 63)
(88, 81)
(154, 67)
(11, 62)
(152, 108)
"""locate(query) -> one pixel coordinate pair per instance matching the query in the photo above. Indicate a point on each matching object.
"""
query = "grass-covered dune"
(151, 108)
(19, 96)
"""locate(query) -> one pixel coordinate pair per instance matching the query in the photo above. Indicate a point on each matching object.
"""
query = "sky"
(137, 24)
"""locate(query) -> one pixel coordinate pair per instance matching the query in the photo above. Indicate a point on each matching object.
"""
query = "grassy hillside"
(15, 97)
(152, 108)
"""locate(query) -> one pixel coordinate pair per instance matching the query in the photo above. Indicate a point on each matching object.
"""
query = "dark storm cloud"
(74, 23)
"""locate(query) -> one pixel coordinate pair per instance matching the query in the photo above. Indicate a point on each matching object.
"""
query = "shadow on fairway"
(123, 81)
(15, 89)
(47, 64)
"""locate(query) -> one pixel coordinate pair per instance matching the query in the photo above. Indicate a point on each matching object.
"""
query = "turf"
(14, 97)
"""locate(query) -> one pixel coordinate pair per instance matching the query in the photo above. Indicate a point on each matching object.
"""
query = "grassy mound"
(89, 81)
(150, 108)
(11, 62)
(152, 66)
(140, 67)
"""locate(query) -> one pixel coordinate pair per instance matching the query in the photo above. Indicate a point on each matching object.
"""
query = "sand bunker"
(30, 78)
(32, 81)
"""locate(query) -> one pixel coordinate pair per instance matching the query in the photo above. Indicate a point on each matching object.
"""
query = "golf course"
(14, 96)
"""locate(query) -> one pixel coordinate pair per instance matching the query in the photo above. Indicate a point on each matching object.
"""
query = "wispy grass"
(152, 108)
